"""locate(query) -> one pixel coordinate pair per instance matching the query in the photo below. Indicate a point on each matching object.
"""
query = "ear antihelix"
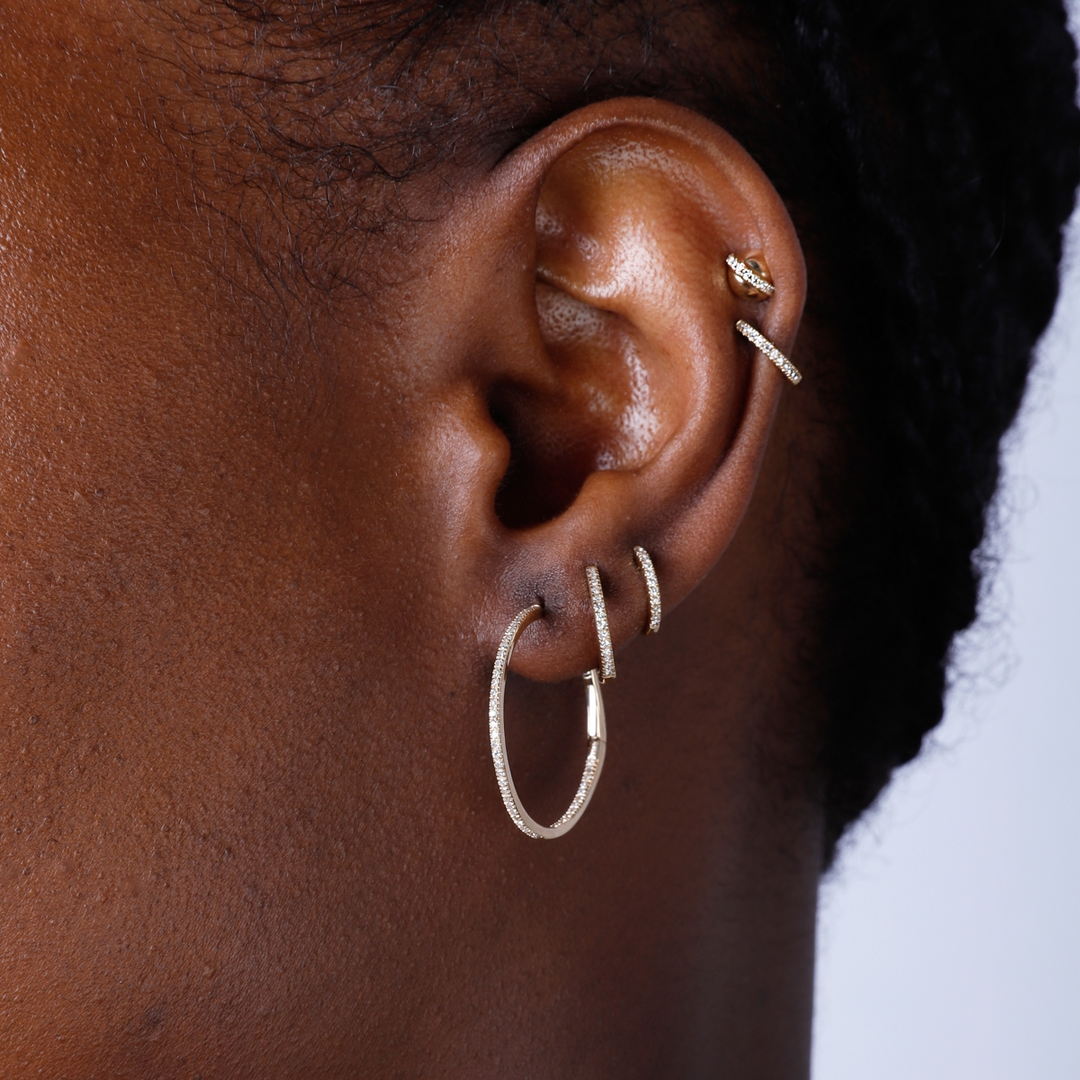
(652, 588)
(765, 346)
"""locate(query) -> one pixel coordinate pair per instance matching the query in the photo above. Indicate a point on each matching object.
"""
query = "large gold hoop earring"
(596, 728)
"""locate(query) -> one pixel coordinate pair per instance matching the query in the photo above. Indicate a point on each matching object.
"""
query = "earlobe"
(635, 411)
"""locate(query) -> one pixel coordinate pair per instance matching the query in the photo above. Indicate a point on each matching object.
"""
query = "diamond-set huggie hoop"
(764, 345)
(652, 587)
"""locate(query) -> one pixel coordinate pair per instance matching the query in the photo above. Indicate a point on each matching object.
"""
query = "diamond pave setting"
(652, 586)
(765, 346)
(603, 631)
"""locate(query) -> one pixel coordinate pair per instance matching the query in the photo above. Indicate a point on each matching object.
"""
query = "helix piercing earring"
(652, 586)
(770, 350)
(749, 279)
(595, 722)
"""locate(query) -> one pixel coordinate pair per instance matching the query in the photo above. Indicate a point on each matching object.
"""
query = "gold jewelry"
(749, 279)
(596, 728)
(652, 586)
(770, 350)
(603, 632)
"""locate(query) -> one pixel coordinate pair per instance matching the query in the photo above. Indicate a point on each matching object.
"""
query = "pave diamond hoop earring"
(652, 586)
(595, 721)
(764, 345)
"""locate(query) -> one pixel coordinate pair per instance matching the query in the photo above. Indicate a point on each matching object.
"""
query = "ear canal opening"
(543, 478)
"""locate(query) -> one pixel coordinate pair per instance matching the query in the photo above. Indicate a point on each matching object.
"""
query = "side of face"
(270, 497)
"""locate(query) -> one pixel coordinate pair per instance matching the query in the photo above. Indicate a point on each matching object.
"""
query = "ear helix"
(749, 278)
(596, 722)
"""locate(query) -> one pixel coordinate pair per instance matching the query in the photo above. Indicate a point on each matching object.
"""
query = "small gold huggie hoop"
(764, 345)
(652, 586)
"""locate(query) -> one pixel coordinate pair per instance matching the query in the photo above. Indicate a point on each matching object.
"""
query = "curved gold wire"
(596, 728)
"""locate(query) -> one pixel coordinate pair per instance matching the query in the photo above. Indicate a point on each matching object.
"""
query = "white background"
(949, 935)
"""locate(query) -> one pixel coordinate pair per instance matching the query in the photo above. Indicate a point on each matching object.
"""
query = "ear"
(607, 395)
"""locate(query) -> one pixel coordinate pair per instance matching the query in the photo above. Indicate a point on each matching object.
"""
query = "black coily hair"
(939, 142)
(929, 151)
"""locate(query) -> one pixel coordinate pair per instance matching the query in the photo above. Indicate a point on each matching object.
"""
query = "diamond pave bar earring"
(595, 723)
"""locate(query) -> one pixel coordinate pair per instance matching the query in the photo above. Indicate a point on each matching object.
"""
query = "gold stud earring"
(765, 346)
(749, 277)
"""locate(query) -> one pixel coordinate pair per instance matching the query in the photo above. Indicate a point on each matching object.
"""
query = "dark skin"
(261, 543)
